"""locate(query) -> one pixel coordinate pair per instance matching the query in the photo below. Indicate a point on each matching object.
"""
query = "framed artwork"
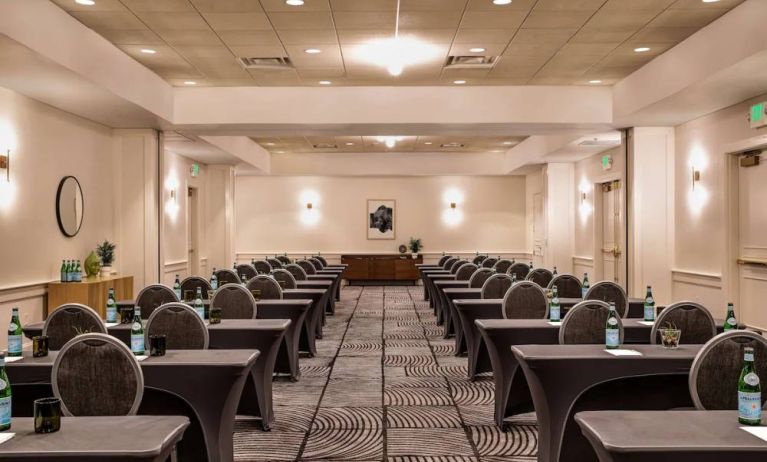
(381, 223)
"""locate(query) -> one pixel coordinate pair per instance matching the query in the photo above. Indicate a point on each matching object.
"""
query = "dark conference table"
(451, 295)
(117, 438)
(210, 382)
(679, 436)
(566, 379)
(451, 326)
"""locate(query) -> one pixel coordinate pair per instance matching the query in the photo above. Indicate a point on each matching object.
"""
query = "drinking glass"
(670, 337)
(40, 346)
(215, 315)
(47, 415)
(156, 345)
(256, 294)
(126, 314)
(188, 296)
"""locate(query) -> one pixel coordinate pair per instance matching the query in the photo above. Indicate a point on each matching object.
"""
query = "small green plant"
(669, 335)
(415, 244)
(106, 252)
(80, 331)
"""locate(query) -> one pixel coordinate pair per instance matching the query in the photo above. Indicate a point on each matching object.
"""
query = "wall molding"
(696, 278)
(583, 261)
(335, 256)
(179, 265)
(21, 292)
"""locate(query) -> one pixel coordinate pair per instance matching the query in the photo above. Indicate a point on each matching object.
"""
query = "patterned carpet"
(384, 386)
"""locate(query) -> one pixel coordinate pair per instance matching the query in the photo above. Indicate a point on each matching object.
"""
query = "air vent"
(325, 146)
(470, 62)
(598, 142)
(265, 63)
(452, 145)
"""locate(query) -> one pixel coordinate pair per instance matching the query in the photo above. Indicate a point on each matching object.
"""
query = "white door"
(612, 233)
(538, 231)
(192, 230)
(752, 247)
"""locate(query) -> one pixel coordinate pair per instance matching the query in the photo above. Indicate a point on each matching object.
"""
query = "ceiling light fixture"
(595, 81)
(325, 82)
(350, 144)
(710, 1)
(459, 82)
(190, 82)
(641, 49)
(295, 2)
(85, 2)
(312, 51)
(389, 141)
(508, 143)
(269, 144)
(148, 51)
(477, 50)
(428, 142)
(501, 2)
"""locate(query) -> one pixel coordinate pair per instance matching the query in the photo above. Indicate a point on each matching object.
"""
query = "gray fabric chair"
(496, 286)
(262, 267)
(235, 301)
(283, 259)
(97, 375)
(716, 369)
(316, 263)
(503, 265)
(464, 272)
(609, 291)
(457, 265)
(443, 259)
(284, 278)
(269, 287)
(568, 286)
(489, 262)
(322, 260)
(477, 280)
(227, 276)
(306, 266)
(449, 263)
(525, 300)
(584, 324)
(298, 272)
(69, 320)
(520, 269)
(540, 276)
(693, 319)
(193, 282)
(182, 327)
(479, 259)
(153, 296)
(274, 263)
(246, 269)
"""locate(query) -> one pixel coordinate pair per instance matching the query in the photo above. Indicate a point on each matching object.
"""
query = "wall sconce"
(695, 177)
(698, 195)
(309, 205)
(585, 208)
(452, 205)
(309, 215)
(171, 205)
(5, 164)
(452, 216)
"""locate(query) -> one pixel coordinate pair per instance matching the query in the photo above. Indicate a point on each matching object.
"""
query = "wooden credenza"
(91, 292)
(381, 267)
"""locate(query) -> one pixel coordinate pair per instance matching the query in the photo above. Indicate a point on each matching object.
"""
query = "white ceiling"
(441, 143)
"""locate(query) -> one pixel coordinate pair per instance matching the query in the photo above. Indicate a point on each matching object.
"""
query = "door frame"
(193, 229)
(597, 235)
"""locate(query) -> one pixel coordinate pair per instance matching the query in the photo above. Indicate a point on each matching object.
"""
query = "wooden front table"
(91, 292)
(381, 267)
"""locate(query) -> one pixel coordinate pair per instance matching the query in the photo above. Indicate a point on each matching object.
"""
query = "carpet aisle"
(384, 386)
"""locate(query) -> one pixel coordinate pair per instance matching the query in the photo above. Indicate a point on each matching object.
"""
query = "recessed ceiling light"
(85, 2)
(501, 2)
(641, 49)
(325, 82)
(508, 143)
(710, 1)
(459, 82)
(477, 50)
(279, 152)
(269, 144)
(428, 142)
(595, 81)
(148, 51)
(312, 51)
(190, 82)
(350, 144)
(294, 2)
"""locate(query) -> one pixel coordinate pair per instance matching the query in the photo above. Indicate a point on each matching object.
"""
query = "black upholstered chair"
(465, 271)
(274, 263)
(478, 278)
(479, 259)
(496, 286)
(525, 300)
(316, 263)
(193, 282)
(246, 269)
(269, 287)
(457, 265)
(235, 301)
(585, 324)
(503, 265)
(307, 266)
(297, 271)
(322, 260)
(97, 375)
(153, 296)
(448, 264)
(716, 369)
(69, 320)
(693, 319)
(443, 259)
(489, 262)
(182, 327)
(540, 276)
(609, 291)
(284, 278)
(227, 276)
(521, 270)
(568, 286)
(262, 266)
(283, 259)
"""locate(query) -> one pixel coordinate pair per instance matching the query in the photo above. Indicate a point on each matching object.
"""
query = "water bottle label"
(649, 313)
(612, 322)
(178, 293)
(137, 343)
(14, 344)
(583, 292)
(751, 378)
(554, 313)
(200, 312)
(111, 314)
(750, 405)
(214, 285)
(12, 326)
(731, 321)
(5, 411)
(612, 337)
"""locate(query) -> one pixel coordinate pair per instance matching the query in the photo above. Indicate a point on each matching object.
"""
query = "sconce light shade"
(309, 205)
(5, 163)
(695, 177)
(452, 205)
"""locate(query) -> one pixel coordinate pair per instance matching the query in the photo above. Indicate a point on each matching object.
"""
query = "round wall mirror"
(69, 206)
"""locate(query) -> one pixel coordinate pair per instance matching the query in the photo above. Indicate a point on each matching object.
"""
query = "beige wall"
(268, 214)
(47, 144)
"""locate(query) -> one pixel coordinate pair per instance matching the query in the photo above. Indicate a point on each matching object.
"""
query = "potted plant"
(106, 252)
(415, 246)
(670, 335)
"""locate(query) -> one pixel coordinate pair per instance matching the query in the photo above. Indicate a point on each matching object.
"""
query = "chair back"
(609, 291)
(97, 375)
(298, 272)
(465, 271)
(478, 278)
(479, 259)
(584, 324)
(284, 278)
(525, 300)
(235, 301)
(193, 282)
(520, 269)
(693, 319)
(274, 263)
(316, 263)
(449, 263)
(283, 259)
(227, 276)
(322, 260)
(503, 265)
(182, 327)
(496, 286)
(443, 259)
(540, 276)
(153, 296)
(262, 267)
(457, 265)
(69, 320)
(715, 371)
(269, 287)
(568, 286)
(489, 262)
(246, 269)
(306, 266)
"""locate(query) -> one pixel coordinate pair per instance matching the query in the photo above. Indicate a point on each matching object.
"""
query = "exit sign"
(195, 170)
(758, 117)
(607, 162)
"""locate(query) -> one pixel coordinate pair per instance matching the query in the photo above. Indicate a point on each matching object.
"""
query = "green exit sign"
(758, 118)
(607, 162)
(195, 170)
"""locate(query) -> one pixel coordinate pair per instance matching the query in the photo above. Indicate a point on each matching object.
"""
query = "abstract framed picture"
(381, 219)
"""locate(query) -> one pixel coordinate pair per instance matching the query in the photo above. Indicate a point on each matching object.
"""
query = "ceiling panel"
(552, 42)
(362, 144)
